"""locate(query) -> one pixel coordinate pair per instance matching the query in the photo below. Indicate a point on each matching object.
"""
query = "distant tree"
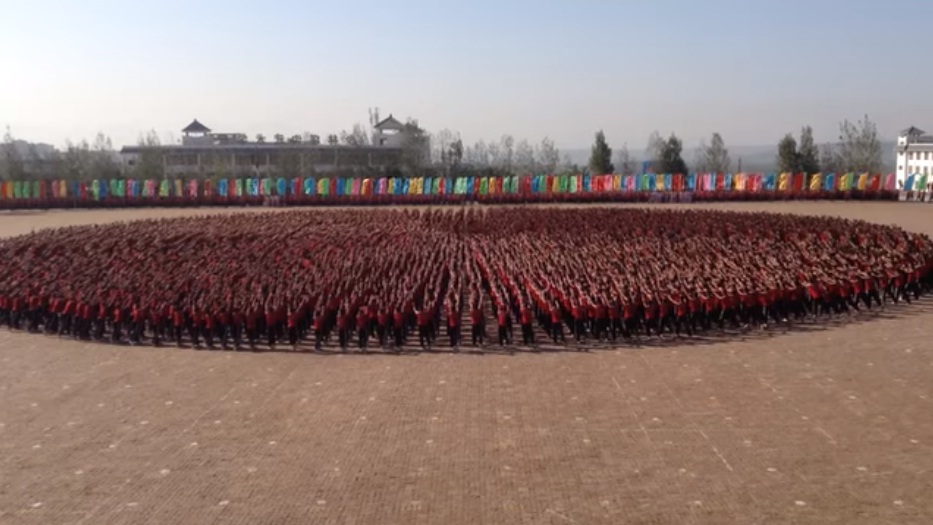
(104, 163)
(333, 140)
(654, 149)
(279, 138)
(601, 155)
(440, 147)
(506, 153)
(524, 158)
(356, 137)
(477, 155)
(294, 139)
(624, 163)
(567, 165)
(859, 147)
(494, 154)
(12, 166)
(714, 158)
(807, 152)
(150, 158)
(829, 158)
(416, 147)
(548, 156)
(260, 138)
(456, 152)
(78, 161)
(373, 117)
(788, 159)
(670, 159)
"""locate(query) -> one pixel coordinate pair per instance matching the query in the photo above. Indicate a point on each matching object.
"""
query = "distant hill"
(754, 158)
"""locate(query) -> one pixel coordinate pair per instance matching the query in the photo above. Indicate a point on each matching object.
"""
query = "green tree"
(807, 152)
(788, 159)
(670, 160)
(601, 155)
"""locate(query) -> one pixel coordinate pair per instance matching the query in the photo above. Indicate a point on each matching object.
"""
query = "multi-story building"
(232, 154)
(914, 153)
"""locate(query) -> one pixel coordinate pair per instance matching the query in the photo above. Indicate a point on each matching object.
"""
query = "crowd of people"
(391, 279)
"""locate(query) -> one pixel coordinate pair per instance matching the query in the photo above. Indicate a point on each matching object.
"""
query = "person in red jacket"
(116, 335)
(453, 326)
(383, 326)
(209, 325)
(398, 326)
(237, 319)
(318, 323)
(178, 325)
(527, 317)
(557, 324)
(271, 325)
(478, 325)
(579, 321)
(502, 314)
(362, 329)
(224, 320)
(424, 327)
(252, 325)
(343, 328)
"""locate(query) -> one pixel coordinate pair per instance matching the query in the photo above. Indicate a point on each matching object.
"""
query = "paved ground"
(829, 425)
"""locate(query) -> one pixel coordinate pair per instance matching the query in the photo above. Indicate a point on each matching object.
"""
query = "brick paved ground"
(823, 425)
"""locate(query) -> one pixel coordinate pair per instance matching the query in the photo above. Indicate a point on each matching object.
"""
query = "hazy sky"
(750, 69)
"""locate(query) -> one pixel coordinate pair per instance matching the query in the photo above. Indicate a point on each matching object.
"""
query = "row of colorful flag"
(531, 184)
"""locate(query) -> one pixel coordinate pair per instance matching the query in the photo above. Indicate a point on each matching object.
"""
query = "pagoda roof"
(912, 131)
(196, 127)
(390, 122)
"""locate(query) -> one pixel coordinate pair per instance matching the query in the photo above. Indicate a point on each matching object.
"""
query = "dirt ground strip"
(821, 425)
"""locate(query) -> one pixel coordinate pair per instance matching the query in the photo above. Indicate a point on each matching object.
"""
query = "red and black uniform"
(178, 324)
(503, 318)
(398, 327)
(579, 322)
(453, 326)
(383, 326)
(116, 335)
(362, 330)
(556, 325)
(210, 327)
(252, 326)
(343, 330)
(527, 318)
(272, 326)
(477, 323)
(424, 328)
(237, 320)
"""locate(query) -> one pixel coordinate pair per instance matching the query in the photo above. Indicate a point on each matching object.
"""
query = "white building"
(914, 151)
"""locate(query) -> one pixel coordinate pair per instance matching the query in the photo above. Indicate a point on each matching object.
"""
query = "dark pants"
(557, 332)
(454, 333)
(528, 335)
(363, 335)
(424, 336)
(478, 334)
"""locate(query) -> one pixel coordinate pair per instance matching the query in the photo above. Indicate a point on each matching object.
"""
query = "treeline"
(444, 153)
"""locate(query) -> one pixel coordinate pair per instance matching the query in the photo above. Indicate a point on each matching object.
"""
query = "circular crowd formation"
(380, 277)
